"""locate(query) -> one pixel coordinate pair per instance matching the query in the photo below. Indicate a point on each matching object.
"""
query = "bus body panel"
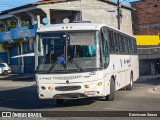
(120, 67)
(93, 90)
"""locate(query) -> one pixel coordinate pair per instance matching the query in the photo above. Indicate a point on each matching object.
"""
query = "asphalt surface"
(21, 95)
(18, 77)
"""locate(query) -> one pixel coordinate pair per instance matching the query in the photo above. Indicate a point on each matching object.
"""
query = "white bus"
(79, 60)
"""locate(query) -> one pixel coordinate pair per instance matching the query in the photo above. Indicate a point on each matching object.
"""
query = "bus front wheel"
(111, 96)
(5, 73)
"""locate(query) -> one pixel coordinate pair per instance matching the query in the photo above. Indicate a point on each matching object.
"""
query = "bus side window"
(135, 46)
(132, 45)
(119, 43)
(126, 44)
(105, 51)
(111, 42)
(122, 43)
(116, 43)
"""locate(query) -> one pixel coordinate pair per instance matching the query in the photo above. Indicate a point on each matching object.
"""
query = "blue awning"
(5, 36)
(18, 33)
(23, 32)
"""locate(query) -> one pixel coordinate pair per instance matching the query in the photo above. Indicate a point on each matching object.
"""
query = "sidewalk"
(157, 89)
(149, 78)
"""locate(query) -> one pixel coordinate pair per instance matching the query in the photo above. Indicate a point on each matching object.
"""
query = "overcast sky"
(8, 4)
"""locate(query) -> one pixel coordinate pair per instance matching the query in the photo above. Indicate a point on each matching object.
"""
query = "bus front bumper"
(71, 91)
(70, 96)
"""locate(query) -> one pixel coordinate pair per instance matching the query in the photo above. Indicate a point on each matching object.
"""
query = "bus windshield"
(68, 51)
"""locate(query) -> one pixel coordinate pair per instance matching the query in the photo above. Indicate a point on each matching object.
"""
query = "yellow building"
(148, 40)
(149, 54)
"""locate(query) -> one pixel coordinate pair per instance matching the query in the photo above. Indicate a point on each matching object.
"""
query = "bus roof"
(74, 26)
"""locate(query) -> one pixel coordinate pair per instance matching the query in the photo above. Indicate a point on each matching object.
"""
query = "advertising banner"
(5, 36)
(23, 32)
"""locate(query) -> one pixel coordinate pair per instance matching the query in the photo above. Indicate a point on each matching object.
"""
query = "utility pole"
(119, 13)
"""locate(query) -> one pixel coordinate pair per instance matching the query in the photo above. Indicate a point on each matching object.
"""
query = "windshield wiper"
(51, 68)
(53, 65)
(81, 69)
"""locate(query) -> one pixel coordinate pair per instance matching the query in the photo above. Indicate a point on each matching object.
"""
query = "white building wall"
(96, 12)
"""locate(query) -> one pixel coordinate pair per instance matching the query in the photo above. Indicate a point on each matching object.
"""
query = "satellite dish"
(35, 22)
(66, 20)
(45, 21)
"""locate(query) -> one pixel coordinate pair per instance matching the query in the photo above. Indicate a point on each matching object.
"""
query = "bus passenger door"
(105, 58)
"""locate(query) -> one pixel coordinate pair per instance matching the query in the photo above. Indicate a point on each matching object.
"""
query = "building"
(146, 18)
(20, 39)
(146, 28)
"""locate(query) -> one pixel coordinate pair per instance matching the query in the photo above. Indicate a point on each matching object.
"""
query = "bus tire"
(5, 73)
(111, 96)
(59, 101)
(129, 87)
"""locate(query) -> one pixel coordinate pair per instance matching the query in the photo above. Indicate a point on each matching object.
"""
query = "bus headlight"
(50, 88)
(100, 83)
(86, 86)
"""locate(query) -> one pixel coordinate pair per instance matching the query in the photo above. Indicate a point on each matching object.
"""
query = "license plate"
(89, 92)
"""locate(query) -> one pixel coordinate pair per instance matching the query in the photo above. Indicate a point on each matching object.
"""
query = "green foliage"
(11, 24)
(2, 27)
(25, 23)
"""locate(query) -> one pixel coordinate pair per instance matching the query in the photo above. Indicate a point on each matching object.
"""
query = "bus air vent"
(67, 88)
(67, 77)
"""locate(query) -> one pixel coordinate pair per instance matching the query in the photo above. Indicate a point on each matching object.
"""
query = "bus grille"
(67, 88)
(67, 77)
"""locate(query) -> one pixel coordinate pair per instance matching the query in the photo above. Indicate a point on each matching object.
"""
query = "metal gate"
(13, 52)
(29, 61)
(4, 57)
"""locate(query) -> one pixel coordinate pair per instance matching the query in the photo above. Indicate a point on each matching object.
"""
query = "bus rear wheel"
(59, 101)
(111, 96)
(129, 87)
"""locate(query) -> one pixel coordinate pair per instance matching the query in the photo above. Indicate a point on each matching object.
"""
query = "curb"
(148, 78)
(18, 78)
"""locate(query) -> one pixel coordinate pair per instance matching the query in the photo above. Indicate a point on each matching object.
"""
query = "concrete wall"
(147, 17)
(144, 67)
(149, 67)
(146, 12)
(96, 12)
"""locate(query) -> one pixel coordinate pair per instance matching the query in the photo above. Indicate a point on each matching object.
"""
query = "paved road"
(21, 95)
